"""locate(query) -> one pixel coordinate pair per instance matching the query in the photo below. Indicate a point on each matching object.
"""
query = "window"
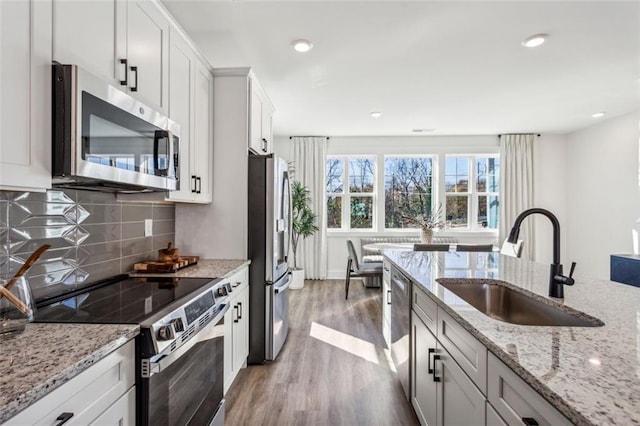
(358, 194)
(407, 189)
(471, 191)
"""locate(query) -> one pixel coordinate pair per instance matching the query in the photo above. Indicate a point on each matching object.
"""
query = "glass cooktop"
(125, 301)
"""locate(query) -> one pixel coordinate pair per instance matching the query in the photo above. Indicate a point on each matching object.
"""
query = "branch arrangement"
(427, 221)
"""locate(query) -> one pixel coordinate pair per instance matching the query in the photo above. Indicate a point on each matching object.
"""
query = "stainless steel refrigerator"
(269, 241)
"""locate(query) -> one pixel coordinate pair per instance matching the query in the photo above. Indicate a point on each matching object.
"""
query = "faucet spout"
(556, 279)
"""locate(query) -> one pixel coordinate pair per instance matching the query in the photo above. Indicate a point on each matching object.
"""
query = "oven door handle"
(149, 368)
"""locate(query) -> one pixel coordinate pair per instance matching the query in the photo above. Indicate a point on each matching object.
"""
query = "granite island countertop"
(205, 268)
(590, 374)
(45, 356)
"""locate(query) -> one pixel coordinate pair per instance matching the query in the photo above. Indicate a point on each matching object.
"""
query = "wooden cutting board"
(166, 267)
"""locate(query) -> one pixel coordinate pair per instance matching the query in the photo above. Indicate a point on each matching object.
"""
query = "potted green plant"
(303, 225)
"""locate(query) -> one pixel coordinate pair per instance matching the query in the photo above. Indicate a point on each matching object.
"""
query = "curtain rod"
(506, 134)
(309, 136)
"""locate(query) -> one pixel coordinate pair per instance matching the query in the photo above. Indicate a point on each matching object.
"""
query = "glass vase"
(12, 319)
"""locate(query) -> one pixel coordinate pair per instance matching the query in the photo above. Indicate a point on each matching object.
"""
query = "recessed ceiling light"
(535, 40)
(598, 114)
(595, 361)
(376, 114)
(423, 130)
(302, 45)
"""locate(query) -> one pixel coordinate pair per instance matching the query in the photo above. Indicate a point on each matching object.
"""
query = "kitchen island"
(45, 356)
(589, 374)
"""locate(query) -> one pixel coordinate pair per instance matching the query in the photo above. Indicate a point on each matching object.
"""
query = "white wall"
(603, 192)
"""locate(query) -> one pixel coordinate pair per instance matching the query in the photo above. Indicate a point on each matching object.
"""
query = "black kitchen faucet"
(556, 278)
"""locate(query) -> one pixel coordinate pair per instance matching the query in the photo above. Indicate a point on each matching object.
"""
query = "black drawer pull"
(529, 421)
(126, 73)
(431, 351)
(63, 418)
(235, 309)
(134, 88)
(240, 310)
(388, 297)
(435, 358)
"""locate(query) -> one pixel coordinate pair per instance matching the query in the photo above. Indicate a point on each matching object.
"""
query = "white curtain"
(516, 187)
(309, 159)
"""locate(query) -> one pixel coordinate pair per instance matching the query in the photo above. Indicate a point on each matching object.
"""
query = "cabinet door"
(386, 305)
(25, 95)
(423, 387)
(91, 35)
(240, 336)
(121, 413)
(203, 132)
(267, 128)
(147, 52)
(181, 74)
(256, 143)
(460, 402)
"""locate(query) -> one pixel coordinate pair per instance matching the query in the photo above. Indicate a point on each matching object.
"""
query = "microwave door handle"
(159, 134)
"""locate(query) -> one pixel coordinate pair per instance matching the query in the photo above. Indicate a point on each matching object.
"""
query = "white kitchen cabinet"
(102, 394)
(493, 418)
(442, 393)
(190, 105)
(124, 42)
(25, 95)
(236, 330)
(261, 130)
(386, 302)
(514, 400)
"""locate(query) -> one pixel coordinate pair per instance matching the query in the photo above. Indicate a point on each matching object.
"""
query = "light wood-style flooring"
(331, 371)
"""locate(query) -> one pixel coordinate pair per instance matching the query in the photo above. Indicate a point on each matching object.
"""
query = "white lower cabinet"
(457, 381)
(236, 328)
(442, 394)
(102, 394)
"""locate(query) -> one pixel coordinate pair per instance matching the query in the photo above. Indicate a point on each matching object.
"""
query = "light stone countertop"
(206, 268)
(594, 377)
(45, 356)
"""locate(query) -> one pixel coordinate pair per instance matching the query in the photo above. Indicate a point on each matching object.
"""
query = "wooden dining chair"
(474, 247)
(357, 270)
(430, 247)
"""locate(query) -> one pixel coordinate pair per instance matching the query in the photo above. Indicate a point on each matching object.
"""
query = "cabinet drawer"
(88, 394)
(514, 399)
(426, 309)
(468, 352)
(493, 419)
(122, 413)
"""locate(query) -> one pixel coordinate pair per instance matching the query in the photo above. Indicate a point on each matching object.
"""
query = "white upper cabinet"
(190, 105)
(260, 128)
(124, 42)
(147, 53)
(25, 95)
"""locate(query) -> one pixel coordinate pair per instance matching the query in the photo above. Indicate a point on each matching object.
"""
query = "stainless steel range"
(180, 350)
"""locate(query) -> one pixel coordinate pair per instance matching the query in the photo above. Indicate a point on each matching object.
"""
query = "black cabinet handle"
(388, 297)
(199, 182)
(435, 358)
(193, 182)
(63, 418)
(235, 308)
(529, 421)
(264, 145)
(135, 87)
(126, 73)
(240, 309)
(431, 351)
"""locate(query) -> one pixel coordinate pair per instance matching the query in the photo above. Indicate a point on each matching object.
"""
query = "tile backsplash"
(92, 236)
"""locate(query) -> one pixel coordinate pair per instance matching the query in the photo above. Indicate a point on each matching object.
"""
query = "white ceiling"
(454, 66)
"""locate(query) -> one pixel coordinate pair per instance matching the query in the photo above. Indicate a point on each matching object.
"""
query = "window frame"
(346, 193)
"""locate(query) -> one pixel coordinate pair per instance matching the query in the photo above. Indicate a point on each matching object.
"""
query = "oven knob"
(178, 325)
(166, 333)
(228, 287)
(222, 291)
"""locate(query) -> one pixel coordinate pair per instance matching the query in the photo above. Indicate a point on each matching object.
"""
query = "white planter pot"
(297, 279)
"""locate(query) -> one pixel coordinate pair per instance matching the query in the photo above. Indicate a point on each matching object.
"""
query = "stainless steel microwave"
(104, 139)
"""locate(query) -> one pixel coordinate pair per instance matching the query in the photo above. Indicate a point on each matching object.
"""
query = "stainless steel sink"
(508, 305)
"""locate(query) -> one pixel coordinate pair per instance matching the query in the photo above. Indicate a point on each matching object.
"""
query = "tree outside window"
(407, 189)
(359, 173)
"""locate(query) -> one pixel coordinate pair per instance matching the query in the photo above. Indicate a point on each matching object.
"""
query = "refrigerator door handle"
(282, 288)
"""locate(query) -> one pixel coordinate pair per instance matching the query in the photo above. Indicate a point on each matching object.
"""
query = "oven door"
(186, 387)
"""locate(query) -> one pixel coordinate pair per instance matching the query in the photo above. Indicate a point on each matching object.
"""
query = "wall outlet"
(148, 227)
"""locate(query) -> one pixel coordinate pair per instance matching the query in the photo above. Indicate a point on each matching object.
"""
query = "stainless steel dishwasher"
(401, 326)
